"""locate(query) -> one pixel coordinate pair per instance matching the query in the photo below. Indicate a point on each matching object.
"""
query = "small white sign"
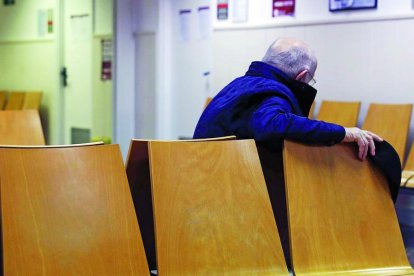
(240, 11)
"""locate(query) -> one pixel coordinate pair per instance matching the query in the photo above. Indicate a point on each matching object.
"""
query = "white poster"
(185, 25)
(204, 22)
(41, 23)
(80, 29)
(240, 10)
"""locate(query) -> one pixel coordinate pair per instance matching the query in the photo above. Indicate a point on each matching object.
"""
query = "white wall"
(102, 90)
(145, 27)
(124, 72)
(28, 59)
(190, 60)
(142, 74)
(260, 13)
(363, 55)
(20, 21)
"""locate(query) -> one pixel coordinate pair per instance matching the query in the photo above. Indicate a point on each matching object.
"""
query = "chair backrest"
(15, 101)
(3, 95)
(341, 216)
(68, 211)
(208, 100)
(391, 122)
(311, 111)
(20, 127)
(215, 218)
(138, 172)
(407, 178)
(341, 113)
(32, 100)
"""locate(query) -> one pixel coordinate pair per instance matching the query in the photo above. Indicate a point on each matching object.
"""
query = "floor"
(405, 212)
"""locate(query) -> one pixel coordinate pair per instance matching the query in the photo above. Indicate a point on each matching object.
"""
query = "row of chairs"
(20, 100)
(192, 207)
(77, 210)
(380, 118)
(391, 121)
(21, 127)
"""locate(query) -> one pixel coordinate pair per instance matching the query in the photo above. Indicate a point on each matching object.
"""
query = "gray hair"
(291, 58)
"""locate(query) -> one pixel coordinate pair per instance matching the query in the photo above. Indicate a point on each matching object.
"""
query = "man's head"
(293, 57)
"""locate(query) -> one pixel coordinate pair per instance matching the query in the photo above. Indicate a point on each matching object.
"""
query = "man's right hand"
(365, 140)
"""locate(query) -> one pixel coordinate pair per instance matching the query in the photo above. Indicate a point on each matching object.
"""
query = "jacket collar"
(304, 93)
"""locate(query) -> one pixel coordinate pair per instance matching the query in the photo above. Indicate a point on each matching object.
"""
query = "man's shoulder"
(255, 84)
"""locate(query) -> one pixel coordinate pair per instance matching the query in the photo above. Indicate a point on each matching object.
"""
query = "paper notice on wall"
(80, 28)
(283, 8)
(204, 22)
(185, 25)
(240, 10)
(222, 9)
(41, 23)
(50, 21)
(207, 86)
(45, 22)
(106, 69)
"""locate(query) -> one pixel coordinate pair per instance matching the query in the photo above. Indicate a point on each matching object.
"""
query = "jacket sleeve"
(273, 121)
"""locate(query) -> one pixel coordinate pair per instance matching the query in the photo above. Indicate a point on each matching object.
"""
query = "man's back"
(264, 105)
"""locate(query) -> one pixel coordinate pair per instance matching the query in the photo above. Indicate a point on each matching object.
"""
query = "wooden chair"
(32, 100)
(391, 122)
(311, 111)
(342, 220)
(20, 127)
(407, 178)
(218, 208)
(15, 101)
(341, 113)
(222, 180)
(68, 211)
(138, 172)
(208, 100)
(3, 95)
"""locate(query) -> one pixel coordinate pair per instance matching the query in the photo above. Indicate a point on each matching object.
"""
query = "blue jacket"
(268, 106)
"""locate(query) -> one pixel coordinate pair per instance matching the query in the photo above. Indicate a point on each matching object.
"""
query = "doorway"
(85, 71)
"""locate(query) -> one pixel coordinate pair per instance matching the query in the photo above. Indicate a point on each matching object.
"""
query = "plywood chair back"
(207, 102)
(341, 113)
(68, 211)
(15, 101)
(32, 100)
(3, 95)
(407, 178)
(211, 198)
(138, 172)
(391, 122)
(20, 127)
(311, 111)
(342, 220)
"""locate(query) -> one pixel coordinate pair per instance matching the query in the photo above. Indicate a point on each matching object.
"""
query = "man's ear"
(302, 76)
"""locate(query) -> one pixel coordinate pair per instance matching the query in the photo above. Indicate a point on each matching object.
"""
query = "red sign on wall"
(106, 69)
(283, 8)
(222, 9)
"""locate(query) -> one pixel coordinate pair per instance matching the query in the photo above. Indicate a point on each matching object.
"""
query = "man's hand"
(364, 139)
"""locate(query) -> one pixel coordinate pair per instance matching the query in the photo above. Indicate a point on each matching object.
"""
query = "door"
(76, 70)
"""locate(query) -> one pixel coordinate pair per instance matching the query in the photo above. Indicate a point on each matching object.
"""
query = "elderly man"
(271, 103)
